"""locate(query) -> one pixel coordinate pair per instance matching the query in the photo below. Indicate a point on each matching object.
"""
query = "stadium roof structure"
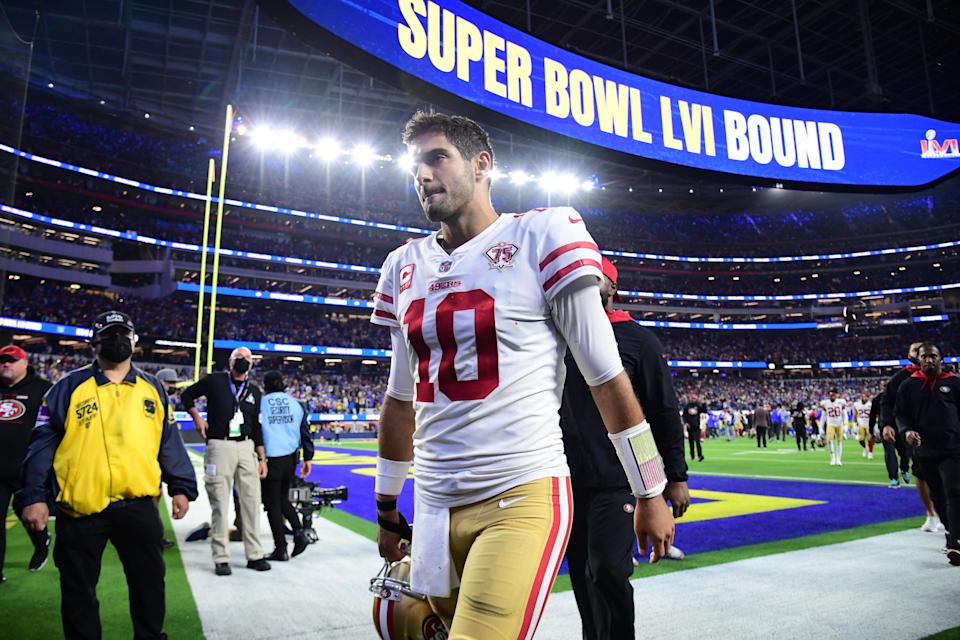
(182, 60)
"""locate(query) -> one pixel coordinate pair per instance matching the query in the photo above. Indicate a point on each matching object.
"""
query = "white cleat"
(673, 553)
(869, 456)
(932, 525)
(864, 453)
(833, 462)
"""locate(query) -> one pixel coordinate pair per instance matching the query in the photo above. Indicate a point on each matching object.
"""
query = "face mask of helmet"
(116, 348)
(240, 365)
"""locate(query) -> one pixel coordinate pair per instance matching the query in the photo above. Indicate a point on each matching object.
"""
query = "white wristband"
(391, 474)
(640, 459)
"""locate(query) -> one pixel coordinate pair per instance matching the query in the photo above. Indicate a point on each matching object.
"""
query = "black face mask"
(116, 348)
(241, 365)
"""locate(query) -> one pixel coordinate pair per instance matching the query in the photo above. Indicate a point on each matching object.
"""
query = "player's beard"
(453, 198)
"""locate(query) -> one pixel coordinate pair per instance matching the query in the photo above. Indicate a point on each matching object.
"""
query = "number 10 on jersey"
(485, 335)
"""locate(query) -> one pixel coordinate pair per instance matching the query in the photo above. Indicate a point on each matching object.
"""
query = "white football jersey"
(862, 412)
(836, 412)
(484, 351)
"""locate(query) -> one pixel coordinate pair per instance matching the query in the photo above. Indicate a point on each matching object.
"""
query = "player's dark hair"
(273, 382)
(463, 133)
(928, 345)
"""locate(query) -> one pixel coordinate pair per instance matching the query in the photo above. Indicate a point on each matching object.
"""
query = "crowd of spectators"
(297, 323)
(76, 198)
(174, 317)
(732, 392)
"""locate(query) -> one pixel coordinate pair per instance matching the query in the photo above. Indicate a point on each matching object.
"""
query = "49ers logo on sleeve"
(501, 255)
(11, 409)
(406, 276)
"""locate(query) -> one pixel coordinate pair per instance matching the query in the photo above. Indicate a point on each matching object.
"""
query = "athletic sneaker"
(673, 553)
(894, 484)
(931, 525)
(40, 555)
(906, 477)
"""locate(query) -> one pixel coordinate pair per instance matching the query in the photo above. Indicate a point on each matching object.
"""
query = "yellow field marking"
(726, 504)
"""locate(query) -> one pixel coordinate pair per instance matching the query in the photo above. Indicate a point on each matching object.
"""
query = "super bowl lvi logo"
(501, 255)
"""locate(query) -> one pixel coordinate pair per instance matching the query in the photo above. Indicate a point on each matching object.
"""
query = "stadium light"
(550, 182)
(520, 178)
(263, 138)
(587, 185)
(495, 174)
(328, 149)
(406, 162)
(363, 155)
(286, 141)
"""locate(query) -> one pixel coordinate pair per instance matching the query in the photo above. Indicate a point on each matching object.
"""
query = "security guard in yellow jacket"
(106, 433)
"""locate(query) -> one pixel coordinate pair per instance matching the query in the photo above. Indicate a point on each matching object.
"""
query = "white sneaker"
(932, 524)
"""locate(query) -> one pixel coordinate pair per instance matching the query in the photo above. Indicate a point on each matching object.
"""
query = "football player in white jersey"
(861, 413)
(480, 315)
(835, 410)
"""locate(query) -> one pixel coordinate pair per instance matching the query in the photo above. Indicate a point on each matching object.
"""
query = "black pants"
(39, 539)
(890, 454)
(801, 433)
(600, 559)
(942, 474)
(276, 497)
(693, 435)
(134, 528)
(762, 435)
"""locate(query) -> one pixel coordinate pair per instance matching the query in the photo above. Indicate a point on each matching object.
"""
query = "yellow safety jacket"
(107, 442)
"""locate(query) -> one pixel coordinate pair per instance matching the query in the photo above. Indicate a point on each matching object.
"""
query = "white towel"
(432, 571)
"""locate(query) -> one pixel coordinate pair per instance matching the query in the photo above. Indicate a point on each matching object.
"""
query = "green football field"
(29, 602)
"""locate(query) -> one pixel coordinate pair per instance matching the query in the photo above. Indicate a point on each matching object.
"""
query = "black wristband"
(401, 528)
(387, 505)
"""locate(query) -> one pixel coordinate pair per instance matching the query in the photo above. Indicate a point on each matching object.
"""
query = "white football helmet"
(400, 613)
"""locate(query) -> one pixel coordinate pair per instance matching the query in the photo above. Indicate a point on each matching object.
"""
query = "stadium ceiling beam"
(920, 15)
(232, 80)
(768, 43)
(695, 44)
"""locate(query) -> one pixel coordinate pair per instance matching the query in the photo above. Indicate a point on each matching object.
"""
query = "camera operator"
(285, 430)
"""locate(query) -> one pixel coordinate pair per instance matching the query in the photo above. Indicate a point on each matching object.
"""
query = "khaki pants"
(227, 462)
(507, 550)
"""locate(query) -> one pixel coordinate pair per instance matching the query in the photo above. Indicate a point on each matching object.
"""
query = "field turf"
(30, 602)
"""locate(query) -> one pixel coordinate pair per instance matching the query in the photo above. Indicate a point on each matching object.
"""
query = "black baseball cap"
(111, 319)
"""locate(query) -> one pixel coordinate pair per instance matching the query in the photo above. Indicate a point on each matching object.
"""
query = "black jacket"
(876, 413)
(887, 413)
(930, 407)
(19, 405)
(219, 390)
(590, 454)
(691, 414)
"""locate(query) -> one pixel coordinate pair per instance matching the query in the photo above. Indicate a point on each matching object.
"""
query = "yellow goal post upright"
(227, 129)
(211, 176)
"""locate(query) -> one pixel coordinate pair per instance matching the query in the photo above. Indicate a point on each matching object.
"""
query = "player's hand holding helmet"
(399, 613)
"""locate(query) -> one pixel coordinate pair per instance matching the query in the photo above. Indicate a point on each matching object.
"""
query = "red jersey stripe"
(571, 246)
(573, 266)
